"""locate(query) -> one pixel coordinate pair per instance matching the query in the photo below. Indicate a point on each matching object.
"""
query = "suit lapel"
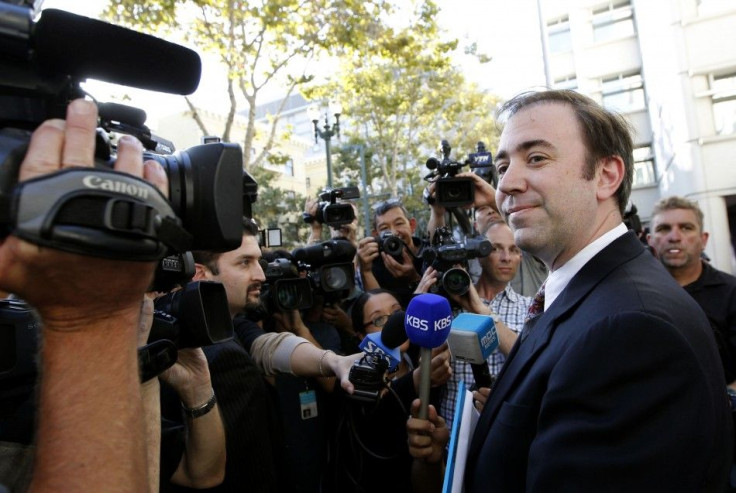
(523, 355)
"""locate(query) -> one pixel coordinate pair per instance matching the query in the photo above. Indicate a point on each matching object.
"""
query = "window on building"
(614, 20)
(558, 35)
(644, 172)
(289, 167)
(308, 183)
(569, 82)
(723, 89)
(623, 92)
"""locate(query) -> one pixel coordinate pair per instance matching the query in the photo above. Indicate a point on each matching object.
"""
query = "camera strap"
(96, 212)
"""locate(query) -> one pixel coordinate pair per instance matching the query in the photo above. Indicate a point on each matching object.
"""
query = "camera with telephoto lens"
(332, 213)
(97, 211)
(391, 244)
(445, 254)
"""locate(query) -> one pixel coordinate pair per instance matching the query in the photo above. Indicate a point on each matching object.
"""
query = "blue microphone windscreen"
(428, 320)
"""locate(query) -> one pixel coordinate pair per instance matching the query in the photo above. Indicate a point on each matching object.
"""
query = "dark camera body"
(391, 244)
(451, 191)
(368, 376)
(194, 316)
(445, 254)
(19, 329)
(208, 190)
(332, 213)
(284, 289)
(327, 269)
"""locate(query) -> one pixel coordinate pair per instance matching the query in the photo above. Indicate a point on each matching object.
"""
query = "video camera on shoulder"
(96, 211)
(450, 190)
(332, 213)
(445, 254)
(285, 290)
(292, 280)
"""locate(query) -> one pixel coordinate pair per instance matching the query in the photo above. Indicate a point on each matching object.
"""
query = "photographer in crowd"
(400, 272)
(90, 429)
(242, 370)
(189, 450)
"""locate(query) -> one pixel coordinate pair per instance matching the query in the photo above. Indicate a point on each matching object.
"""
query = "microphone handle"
(425, 372)
(481, 374)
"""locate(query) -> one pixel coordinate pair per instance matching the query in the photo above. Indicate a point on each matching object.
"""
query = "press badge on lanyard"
(308, 402)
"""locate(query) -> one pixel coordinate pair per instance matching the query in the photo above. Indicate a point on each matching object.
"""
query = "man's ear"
(413, 224)
(201, 273)
(610, 175)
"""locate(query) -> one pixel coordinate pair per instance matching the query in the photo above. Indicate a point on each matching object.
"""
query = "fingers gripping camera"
(78, 210)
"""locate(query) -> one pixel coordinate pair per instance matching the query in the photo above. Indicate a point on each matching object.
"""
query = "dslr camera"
(329, 211)
(445, 254)
(96, 211)
(391, 244)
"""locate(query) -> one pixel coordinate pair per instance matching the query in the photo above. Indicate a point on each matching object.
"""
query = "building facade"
(670, 67)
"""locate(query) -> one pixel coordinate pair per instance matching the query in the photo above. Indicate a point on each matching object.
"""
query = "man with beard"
(255, 446)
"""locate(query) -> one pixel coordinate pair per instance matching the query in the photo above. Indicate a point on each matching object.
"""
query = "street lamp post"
(327, 132)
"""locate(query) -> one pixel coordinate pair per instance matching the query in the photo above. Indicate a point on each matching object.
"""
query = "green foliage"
(402, 94)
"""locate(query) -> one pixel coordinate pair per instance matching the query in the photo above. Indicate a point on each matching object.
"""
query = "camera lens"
(334, 278)
(393, 246)
(288, 296)
(456, 281)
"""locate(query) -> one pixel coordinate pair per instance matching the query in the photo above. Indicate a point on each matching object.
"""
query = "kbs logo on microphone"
(424, 325)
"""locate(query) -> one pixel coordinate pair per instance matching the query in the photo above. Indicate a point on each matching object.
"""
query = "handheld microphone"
(472, 339)
(427, 324)
(381, 353)
(83, 47)
(385, 344)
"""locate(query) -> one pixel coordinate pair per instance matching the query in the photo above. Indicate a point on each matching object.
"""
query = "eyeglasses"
(379, 321)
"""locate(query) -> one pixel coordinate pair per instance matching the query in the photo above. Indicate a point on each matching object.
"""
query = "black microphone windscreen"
(393, 333)
(69, 44)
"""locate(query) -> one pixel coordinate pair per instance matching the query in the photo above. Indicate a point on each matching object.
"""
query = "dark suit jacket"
(618, 387)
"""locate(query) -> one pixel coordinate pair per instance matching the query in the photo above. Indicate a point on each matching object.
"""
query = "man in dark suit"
(617, 384)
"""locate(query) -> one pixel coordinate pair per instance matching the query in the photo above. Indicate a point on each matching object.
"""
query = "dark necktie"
(537, 306)
(535, 309)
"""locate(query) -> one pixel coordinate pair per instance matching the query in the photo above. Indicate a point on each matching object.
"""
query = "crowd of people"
(613, 370)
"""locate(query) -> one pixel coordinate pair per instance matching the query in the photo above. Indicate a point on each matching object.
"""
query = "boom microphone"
(472, 339)
(385, 344)
(427, 324)
(82, 47)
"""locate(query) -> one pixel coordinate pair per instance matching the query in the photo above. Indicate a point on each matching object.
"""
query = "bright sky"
(492, 24)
